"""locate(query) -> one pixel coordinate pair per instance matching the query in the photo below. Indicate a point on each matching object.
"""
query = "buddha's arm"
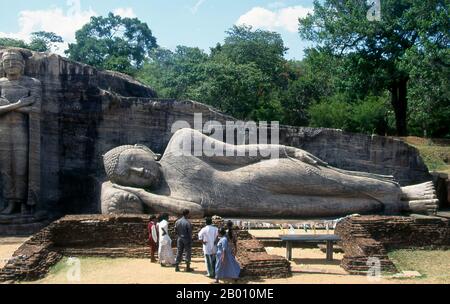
(160, 203)
(228, 154)
(250, 154)
(15, 106)
(34, 100)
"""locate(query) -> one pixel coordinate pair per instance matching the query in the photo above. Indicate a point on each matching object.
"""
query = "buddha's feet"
(421, 198)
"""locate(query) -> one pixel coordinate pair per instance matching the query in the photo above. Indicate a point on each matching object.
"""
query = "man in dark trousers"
(183, 229)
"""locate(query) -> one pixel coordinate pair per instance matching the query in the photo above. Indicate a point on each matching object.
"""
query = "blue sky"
(199, 23)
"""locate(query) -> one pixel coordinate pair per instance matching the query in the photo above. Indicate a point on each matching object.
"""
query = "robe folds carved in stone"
(20, 142)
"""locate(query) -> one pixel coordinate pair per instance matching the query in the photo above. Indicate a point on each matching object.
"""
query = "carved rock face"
(13, 63)
(20, 134)
(137, 167)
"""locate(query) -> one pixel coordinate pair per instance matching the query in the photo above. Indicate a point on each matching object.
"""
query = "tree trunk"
(399, 102)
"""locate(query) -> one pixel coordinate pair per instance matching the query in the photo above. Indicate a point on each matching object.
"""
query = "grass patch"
(87, 264)
(59, 267)
(435, 153)
(434, 265)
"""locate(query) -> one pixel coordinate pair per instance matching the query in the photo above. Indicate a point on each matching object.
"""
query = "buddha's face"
(137, 168)
(13, 64)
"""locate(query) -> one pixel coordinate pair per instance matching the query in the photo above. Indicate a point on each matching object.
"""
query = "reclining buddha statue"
(248, 181)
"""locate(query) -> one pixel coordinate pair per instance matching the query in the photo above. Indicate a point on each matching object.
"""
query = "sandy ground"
(7, 247)
(308, 266)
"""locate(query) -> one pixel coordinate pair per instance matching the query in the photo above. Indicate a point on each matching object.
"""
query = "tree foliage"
(369, 116)
(265, 49)
(374, 52)
(44, 41)
(40, 42)
(242, 76)
(10, 42)
(381, 77)
(113, 43)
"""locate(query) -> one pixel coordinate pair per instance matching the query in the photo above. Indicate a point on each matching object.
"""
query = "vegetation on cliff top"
(387, 77)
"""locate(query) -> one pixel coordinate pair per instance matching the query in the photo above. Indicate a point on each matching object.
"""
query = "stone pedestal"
(19, 225)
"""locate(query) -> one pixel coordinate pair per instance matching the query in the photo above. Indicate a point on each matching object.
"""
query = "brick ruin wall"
(365, 237)
(120, 236)
(256, 262)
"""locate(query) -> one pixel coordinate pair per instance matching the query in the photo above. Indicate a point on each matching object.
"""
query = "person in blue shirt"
(226, 265)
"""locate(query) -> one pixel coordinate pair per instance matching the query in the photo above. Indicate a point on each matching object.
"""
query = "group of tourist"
(219, 246)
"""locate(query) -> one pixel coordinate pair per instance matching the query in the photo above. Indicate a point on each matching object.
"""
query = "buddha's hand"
(161, 203)
(25, 102)
(135, 191)
(309, 158)
(121, 202)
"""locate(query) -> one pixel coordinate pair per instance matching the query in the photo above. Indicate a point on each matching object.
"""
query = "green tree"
(369, 116)
(244, 77)
(375, 50)
(332, 113)
(173, 74)
(429, 93)
(44, 41)
(262, 52)
(40, 42)
(114, 43)
(265, 49)
(310, 81)
(239, 90)
(10, 42)
(189, 73)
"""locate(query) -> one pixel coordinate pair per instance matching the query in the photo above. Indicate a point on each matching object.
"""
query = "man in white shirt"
(208, 235)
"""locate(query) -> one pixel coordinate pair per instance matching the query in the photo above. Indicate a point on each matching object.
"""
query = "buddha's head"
(132, 166)
(13, 63)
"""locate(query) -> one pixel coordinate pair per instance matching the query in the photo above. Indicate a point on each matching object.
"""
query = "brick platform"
(32, 260)
(120, 236)
(256, 262)
(365, 237)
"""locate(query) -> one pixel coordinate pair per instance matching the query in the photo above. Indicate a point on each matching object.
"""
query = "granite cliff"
(86, 112)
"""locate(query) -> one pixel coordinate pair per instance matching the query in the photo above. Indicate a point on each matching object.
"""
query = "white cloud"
(125, 12)
(284, 18)
(55, 19)
(197, 5)
(62, 21)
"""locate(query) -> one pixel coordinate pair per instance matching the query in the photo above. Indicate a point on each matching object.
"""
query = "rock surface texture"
(86, 112)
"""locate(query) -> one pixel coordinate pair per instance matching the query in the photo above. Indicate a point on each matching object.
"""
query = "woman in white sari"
(165, 252)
